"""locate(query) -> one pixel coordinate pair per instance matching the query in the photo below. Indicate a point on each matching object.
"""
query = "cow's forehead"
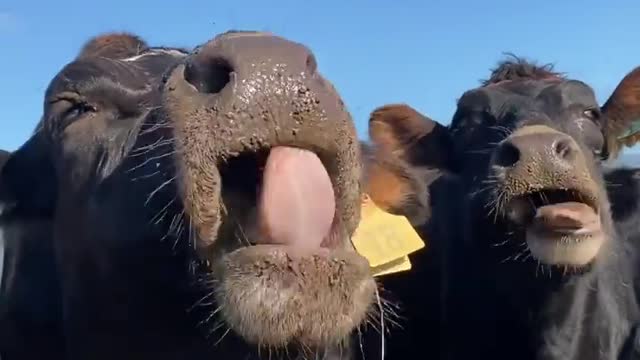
(535, 95)
(80, 74)
(132, 73)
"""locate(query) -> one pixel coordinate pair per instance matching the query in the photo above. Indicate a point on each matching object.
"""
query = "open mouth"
(562, 226)
(291, 193)
(293, 256)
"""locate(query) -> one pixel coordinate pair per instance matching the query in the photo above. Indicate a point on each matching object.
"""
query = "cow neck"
(547, 313)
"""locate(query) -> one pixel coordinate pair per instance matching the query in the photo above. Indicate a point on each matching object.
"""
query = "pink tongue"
(567, 216)
(296, 204)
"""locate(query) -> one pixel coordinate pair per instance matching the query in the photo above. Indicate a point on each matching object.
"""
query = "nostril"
(564, 149)
(209, 76)
(507, 155)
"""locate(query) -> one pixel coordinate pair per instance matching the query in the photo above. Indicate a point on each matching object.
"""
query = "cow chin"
(272, 298)
(564, 250)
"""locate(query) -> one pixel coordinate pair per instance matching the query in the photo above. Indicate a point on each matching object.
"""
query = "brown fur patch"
(395, 131)
(621, 110)
(386, 188)
(114, 46)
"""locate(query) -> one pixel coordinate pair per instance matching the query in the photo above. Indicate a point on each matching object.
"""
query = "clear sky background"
(422, 52)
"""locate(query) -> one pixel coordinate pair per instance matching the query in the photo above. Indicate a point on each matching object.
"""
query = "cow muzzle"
(544, 186)
(268, 170)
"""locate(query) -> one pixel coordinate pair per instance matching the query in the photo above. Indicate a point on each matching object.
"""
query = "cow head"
(528, 146)
(243, 160)
(89, 111)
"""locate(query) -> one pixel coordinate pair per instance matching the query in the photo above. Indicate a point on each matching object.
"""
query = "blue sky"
(422, 52)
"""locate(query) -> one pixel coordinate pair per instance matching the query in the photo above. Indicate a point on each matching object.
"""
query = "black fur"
(518, 68)
(32, 324)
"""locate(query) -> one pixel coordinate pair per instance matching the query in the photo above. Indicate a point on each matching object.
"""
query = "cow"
(205, 215)
(31, 299)
(29, 290)
(534, 238)
(30, 316)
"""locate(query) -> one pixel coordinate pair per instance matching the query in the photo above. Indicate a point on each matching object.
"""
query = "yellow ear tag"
(385, 239)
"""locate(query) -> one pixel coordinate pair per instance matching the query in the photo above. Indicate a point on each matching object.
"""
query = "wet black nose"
(241, 56)
(507, 154)
(551, 147)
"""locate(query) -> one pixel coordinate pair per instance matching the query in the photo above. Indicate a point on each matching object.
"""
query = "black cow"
(534, 264)
(30, 316)
(30, 298)
(396, 177)
(169, 240)
(29, 288)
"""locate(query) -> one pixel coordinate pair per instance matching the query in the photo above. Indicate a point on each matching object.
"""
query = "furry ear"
(394, 128)
(113, 46)
(403, 132)
(408, 152)
(385, 179)
(622, 114)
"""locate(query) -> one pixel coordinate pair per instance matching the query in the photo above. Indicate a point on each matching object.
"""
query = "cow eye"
(65, 109)
(592, 114)
(69, 105)
(78, 109)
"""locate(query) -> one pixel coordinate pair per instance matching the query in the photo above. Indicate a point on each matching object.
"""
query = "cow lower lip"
(565, 234)
(262, 251)
(263, 285)
(564, 250)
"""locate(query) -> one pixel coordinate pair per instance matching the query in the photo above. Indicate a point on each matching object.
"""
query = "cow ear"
(113, 46)
(28, 181)
(409, 151)
(400, 130)
(622, 114)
